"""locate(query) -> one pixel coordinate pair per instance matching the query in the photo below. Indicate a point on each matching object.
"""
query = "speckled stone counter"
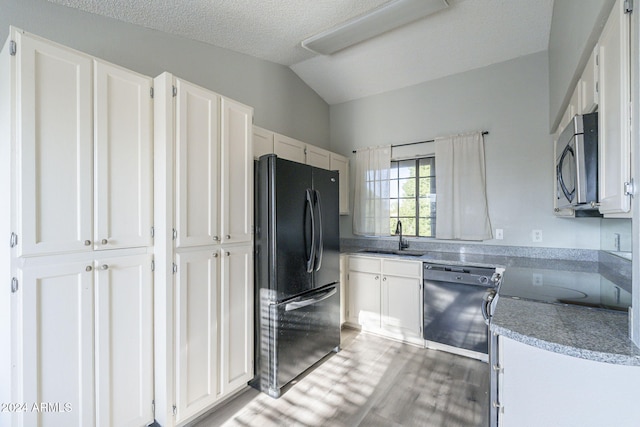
(588, 333)
(593, 334)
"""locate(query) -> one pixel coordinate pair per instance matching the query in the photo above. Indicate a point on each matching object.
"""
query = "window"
(413, 196)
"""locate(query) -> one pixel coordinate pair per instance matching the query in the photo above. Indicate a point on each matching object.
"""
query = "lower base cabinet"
(213, 327)
(83, 336)
(385, 297)
(537, 387)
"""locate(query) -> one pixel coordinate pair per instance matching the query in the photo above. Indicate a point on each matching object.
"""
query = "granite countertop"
(584, 332)
(593, 334)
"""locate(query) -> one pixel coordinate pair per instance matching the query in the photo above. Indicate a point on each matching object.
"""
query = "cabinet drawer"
(398, 267)
(365, 264)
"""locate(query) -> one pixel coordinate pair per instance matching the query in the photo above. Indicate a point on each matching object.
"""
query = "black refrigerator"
(297, 270)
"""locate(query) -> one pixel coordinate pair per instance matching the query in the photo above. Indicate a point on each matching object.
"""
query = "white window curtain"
(461, 196)
(371, 198)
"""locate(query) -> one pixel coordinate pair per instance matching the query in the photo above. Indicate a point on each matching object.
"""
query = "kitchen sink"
(405, 252)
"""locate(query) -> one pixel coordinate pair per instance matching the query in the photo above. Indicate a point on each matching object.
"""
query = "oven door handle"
(486, 301)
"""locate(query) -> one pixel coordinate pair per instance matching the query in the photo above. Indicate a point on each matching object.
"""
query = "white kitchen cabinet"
(236, 178)
(53, 110)
(341, 164)
(123, 158)
(54, 344)
(533, 389)
(385, 297)
(614, 153)
(197, 116)
(197, 316)
(62, 98)
(262, 142)
(588, 85)
(214, 172)
(289, 148)
(213, 327)
(344, 298)
(236, 310)
(204, 290)
(85, 339)
(401, 299)
(318, 157)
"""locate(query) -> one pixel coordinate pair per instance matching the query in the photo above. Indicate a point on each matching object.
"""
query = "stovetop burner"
(586, 289)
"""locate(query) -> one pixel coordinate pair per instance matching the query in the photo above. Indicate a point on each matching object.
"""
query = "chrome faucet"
(402, 243)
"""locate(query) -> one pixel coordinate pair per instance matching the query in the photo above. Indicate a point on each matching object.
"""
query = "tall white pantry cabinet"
(76, 175)
(204, 249)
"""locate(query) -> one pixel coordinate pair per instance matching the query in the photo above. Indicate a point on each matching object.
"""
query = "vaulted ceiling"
(467, 35)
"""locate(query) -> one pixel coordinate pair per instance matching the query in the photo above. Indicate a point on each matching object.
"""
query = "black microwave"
(577, 163)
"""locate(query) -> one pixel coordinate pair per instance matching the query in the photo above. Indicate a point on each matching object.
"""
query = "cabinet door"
(401, 306)
(123, 174)
(55, 344)
(237, 317)
(318, 157)
(341, 164)
(124, 332)
(262, 142)
(288, 148)
(364, 299)
(236, 189)
(613, 119)
(55, 166)
(197, 155)
(196, 333)
(588, 85)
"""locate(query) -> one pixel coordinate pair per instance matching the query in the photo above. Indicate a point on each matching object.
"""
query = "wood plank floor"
(371, 382)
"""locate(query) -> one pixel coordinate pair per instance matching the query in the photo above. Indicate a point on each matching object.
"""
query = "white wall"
(282, 101)
(511, 101)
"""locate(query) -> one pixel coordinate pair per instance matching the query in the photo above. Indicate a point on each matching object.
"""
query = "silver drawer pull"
(104, 267)
(104, 241)
(87, 242)
(88, 268)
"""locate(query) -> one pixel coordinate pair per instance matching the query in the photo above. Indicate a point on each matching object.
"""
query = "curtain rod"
(420, 142)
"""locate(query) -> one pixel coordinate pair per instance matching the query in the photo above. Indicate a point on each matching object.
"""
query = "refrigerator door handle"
(312, 254)
(295, 305)
(321, 236)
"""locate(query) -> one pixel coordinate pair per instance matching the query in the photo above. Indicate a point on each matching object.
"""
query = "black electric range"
(584, 288)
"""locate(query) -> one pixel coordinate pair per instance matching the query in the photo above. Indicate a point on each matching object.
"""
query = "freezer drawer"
(296, 334)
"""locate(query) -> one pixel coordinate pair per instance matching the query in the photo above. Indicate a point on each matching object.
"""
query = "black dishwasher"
(453, 303)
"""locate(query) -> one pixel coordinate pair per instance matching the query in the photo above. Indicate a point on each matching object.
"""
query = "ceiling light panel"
(392, 15)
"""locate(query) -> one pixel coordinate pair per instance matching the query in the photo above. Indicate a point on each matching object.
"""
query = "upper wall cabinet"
(614, 114)
(588, 85)
(213, 140)
(267, 142)
(69, 106)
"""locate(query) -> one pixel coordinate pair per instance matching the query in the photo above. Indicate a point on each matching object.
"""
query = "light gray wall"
(510, 100)
(575, 28)
(282, 101)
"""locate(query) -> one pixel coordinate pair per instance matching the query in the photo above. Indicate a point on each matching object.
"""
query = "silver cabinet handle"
(498, 368)
(227, 253)
(377, 277)
(228, 237)
(215, 254)
(87, 242)
(88, 268)
(104, 241)
(104, 267)
(384, 279)
(216, 238)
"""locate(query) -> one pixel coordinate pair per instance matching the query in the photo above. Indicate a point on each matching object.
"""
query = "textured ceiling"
(469, 34)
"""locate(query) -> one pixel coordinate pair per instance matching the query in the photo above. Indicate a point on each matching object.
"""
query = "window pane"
(426, 227)
(427, 166)
(427, 186)
(427, 207)
(393, 207)
(392, 228)
(407, 168)
(407, 187)
(393, 170)
(393, 188)
(408, 226)
(408, 207)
